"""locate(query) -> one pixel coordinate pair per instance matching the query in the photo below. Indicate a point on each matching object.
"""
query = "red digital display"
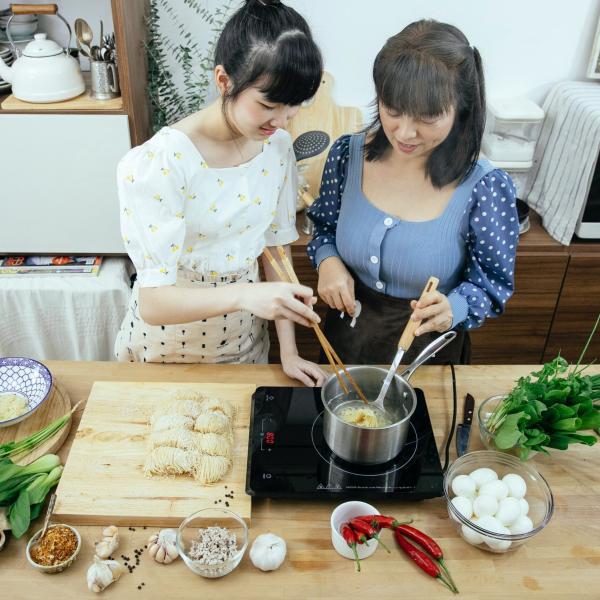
(269, 438)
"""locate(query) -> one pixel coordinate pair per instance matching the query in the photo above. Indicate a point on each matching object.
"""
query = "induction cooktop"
(289, 458)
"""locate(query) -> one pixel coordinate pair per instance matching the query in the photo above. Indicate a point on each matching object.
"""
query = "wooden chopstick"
(324, 343)
(327, 347)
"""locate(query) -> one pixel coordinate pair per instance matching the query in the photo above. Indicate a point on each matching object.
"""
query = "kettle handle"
(41, 9)
(34, 9)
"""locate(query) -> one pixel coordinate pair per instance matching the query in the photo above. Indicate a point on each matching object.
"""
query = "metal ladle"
(406, 339)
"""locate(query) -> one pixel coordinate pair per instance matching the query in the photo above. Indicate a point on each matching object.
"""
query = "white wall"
(526, 45)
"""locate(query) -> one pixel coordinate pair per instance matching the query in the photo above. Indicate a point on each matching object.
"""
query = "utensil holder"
(104, 79)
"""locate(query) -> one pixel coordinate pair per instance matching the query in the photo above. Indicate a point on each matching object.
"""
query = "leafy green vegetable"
(24, 488)
(548, 408)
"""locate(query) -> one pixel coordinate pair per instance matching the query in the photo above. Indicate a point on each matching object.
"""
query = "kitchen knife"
(464, 429)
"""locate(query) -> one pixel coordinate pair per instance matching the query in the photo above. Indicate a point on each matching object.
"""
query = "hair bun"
(263, 2)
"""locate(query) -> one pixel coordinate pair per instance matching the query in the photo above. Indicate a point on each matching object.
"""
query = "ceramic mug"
(105, 80)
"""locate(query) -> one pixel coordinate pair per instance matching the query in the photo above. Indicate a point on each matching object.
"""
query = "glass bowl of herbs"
(547, 409)
(212, 541)
(484, 413)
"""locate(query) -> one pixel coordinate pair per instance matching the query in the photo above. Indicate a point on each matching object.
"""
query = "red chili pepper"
(428, 544)
(382, 522)
(422, 560)
(351, 539)
(363, 528)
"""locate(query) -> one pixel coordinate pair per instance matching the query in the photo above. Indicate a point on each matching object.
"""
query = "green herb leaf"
(509, 434)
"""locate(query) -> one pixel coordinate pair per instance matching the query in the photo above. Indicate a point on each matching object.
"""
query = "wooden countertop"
(560, 562)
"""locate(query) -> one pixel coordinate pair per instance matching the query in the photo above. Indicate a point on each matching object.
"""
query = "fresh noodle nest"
(191, 435)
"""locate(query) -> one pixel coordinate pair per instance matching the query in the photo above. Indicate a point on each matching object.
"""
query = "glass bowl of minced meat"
(212, 541)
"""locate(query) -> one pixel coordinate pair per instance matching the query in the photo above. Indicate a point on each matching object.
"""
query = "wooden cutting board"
(54, 407)
(103, 481)
(323, 114)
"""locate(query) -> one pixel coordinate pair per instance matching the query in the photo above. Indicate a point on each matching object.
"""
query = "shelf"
(83, 103)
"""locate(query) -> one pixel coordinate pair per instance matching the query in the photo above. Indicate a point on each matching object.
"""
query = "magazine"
(44, 265)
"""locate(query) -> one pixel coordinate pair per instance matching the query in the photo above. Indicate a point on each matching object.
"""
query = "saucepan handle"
(427, 353)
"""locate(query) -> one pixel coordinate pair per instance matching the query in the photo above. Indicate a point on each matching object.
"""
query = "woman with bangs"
(202, 198)
(409, 198)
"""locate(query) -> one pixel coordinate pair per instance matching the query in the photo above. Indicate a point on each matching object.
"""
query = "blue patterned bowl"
(27, 377)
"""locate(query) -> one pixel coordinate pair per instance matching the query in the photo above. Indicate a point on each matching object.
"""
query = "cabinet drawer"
(577, 311)
(519, 335)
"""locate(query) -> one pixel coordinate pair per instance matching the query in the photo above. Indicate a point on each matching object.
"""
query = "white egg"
(499, 545)
(524, 506)
(483, 476)
(509, 510)
(463, 485)
(463, 505)
(522, 525)
(471, 535)
(492, 524)
(497, 488)
(485, 505)
(517, 488)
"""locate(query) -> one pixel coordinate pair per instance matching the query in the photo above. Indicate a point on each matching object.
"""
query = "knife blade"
(463, 430)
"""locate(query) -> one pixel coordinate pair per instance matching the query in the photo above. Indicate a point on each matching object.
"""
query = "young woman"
(203, 197)
(409, 199)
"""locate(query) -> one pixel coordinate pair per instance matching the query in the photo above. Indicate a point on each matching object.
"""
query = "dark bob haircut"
(268, 44)
(424, 71)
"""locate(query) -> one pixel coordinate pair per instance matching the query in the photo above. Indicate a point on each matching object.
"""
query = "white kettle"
(44, 72)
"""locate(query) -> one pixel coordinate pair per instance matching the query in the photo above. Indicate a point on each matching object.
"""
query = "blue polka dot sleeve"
(488, 280)
(325, 209)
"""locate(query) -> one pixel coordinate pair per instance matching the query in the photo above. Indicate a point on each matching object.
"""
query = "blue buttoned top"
(470, 247)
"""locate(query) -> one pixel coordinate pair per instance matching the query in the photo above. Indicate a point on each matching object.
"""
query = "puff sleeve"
(152, 187)
(488, 279)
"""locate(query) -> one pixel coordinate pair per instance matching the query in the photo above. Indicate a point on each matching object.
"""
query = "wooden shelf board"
(83, 103)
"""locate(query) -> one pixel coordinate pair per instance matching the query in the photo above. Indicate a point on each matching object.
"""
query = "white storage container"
(512, 130)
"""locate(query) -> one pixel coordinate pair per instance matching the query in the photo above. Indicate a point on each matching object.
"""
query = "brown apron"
(374, 338)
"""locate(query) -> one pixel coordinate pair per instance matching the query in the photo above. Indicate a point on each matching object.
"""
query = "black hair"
(424, 71)
(268, 43)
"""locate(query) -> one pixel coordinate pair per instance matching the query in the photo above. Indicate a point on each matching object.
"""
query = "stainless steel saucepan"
(374, 445)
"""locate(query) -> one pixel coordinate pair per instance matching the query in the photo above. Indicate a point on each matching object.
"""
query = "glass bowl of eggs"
(495, 501)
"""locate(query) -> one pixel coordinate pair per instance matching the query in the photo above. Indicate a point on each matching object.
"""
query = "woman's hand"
(296, 367)
(336, 286)
(280, 301)
(434, 309)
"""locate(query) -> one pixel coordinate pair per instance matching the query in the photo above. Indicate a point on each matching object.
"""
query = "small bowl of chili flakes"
(57, 549)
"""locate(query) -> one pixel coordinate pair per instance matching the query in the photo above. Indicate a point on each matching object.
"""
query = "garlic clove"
(102, 573)
(110, 531)
(160, 554)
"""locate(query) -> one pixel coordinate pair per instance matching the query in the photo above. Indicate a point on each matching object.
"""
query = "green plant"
(192, 55)
(548, 408)
(23, 489)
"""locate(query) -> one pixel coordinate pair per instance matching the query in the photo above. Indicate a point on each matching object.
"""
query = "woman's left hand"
(434, 309)
(296, 367)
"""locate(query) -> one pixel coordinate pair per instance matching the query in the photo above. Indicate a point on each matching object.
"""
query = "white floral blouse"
(178, 212)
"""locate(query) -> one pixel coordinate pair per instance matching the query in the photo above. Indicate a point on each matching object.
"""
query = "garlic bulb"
(102, 573)
(162, 547)
(109, 542)
(268, 552)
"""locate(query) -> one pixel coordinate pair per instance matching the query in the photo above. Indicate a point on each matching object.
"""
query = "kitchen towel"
(565, 157)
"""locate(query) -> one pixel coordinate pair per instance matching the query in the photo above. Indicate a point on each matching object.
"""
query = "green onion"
(29, 444)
